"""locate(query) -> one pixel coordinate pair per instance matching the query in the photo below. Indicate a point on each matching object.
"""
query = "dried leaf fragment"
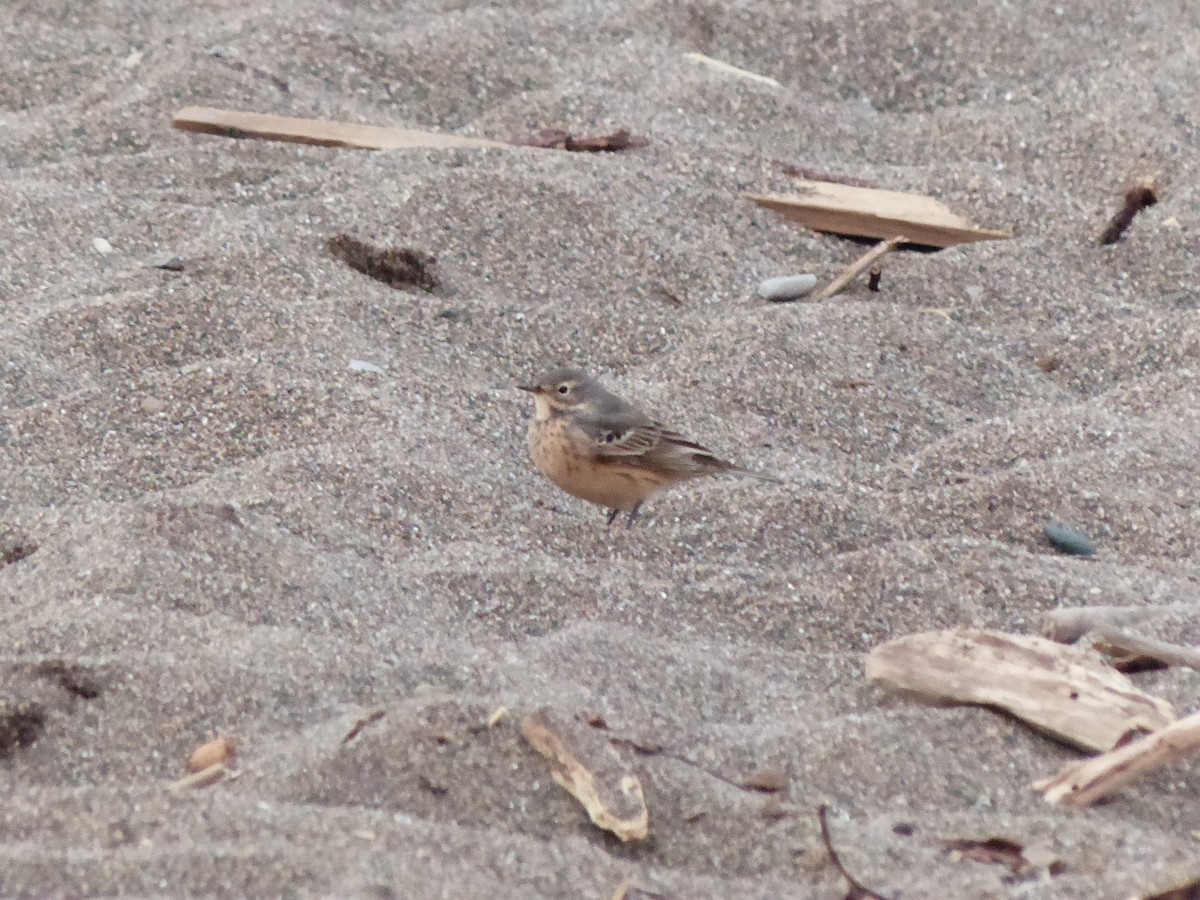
(591, 770)
(397, 267)
(1065, 691)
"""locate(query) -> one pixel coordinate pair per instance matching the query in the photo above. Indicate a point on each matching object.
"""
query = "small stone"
(165, 261)
(361, 365)
(1068, 540)
(102, 246)
(153, 405)
(787, 287)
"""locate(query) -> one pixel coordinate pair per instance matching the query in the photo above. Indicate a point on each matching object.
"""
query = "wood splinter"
(860, 265)
(1086, 781)
(585, 763)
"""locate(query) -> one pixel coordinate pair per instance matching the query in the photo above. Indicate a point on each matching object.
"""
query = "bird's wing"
(617, 433)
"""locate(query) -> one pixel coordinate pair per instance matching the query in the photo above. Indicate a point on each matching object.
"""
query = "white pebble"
(787, 287)
(102, 246)
(361, 365)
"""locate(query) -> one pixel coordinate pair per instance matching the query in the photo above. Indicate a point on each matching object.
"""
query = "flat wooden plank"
(323, 133)
(1065, 691)
(875, 213)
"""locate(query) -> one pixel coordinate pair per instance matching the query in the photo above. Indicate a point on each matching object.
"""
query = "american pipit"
(593, 444)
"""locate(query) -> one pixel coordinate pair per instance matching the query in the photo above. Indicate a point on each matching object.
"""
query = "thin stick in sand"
(729, 69)
(860, 265)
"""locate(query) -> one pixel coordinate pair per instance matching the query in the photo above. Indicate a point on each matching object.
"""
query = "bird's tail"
(761, 476)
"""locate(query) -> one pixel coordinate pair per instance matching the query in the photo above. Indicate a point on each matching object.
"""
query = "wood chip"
(218, 751)
(323, 133)
(875, 213)
(1086, 781)
(497, 716)
(1064, 691)
(593, 772)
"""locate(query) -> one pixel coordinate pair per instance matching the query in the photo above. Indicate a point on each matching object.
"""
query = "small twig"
(860, 265)
(858, 890)
(1137, 198)
(658, 750)
(809, 174)
(356, 730)
(728, 69)
(1086, 781)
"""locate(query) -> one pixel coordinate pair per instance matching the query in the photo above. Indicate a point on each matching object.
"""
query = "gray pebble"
(787, 287)
(1068, 540)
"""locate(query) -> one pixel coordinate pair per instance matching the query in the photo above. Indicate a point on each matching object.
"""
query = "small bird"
(593, 444)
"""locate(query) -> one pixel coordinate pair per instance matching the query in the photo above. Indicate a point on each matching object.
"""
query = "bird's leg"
(632, 515)
(612, 516)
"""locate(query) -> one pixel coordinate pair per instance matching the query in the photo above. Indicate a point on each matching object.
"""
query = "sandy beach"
(215, 520)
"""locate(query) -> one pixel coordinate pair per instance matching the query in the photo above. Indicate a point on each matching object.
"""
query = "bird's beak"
(532, 388)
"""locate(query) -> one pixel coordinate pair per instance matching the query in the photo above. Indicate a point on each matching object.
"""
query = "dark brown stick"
(1137, 198)
(858, 891)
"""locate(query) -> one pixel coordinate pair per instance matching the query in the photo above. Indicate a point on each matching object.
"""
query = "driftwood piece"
(1070, 623)
(1086, 781)
(875, 213)
(324, 133)
(1065, 691)
(585, 763)
(860, 265)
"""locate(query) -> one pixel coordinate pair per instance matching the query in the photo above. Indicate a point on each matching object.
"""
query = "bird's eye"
(562, 388)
